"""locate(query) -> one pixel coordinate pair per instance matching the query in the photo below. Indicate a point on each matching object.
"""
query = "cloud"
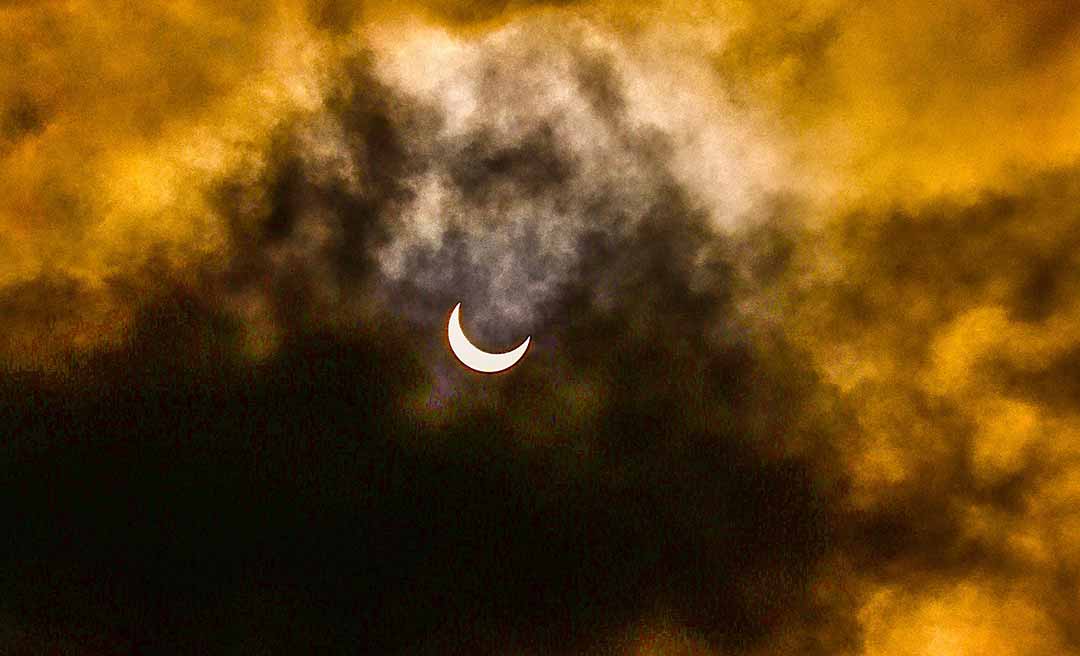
(116, 127)
(553, 510)
(800, 291)
(913, 99)
(943, 327)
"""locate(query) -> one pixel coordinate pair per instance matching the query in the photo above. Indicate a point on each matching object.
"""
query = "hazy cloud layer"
(800, 281)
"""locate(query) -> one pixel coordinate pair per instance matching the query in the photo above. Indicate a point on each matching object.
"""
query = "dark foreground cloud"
(351, 487)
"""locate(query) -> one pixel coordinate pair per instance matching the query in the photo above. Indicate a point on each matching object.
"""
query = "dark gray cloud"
(635, 465)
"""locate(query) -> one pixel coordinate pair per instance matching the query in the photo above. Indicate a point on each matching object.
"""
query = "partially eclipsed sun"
(474, 358)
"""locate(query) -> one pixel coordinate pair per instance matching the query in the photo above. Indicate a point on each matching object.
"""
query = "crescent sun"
(474, 358)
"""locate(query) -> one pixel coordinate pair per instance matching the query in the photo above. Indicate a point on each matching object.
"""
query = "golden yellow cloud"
(915, 160)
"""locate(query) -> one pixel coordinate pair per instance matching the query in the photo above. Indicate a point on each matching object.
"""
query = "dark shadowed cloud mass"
(800, 280)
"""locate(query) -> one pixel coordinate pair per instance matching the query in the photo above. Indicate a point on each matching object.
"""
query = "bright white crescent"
(474, 358)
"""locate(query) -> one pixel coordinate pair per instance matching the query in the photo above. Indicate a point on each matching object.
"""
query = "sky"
(801, 281)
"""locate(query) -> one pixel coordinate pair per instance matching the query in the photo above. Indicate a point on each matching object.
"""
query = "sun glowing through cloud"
(476, 359)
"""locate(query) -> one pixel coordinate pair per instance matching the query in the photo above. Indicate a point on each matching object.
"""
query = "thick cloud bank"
(802, 312)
